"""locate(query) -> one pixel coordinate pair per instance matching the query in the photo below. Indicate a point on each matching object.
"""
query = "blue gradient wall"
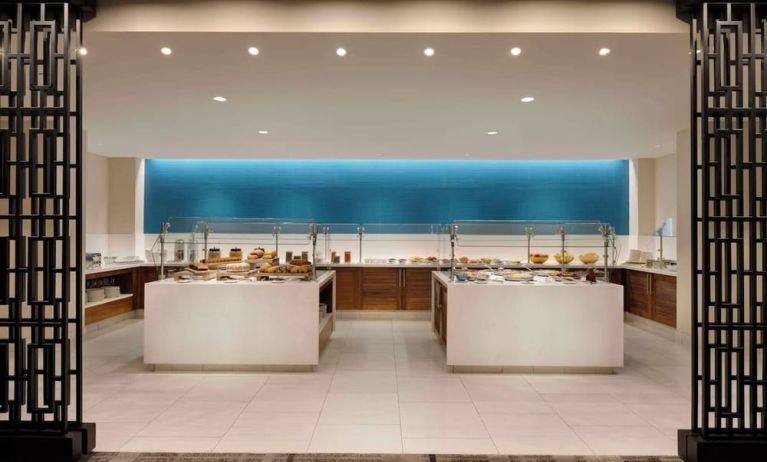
(362, 191)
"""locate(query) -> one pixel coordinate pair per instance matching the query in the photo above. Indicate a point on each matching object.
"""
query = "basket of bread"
(589, 258)
(259, 256)
(297, 268)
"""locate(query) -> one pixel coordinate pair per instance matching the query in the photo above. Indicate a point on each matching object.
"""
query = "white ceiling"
(385, 99)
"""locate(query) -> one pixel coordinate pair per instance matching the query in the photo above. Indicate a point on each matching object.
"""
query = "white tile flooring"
(382, 387)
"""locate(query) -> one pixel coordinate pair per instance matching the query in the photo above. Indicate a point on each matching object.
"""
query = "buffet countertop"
(435, 266)
(444, 277)
(322, 277)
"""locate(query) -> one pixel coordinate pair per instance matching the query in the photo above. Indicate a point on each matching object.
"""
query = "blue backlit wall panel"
(370, 191)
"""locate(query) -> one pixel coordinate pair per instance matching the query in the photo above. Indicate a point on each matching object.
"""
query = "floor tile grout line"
(481, 419)
(244, 408)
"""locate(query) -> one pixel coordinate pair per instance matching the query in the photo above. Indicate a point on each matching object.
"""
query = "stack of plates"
(94, 295)
(111, 291)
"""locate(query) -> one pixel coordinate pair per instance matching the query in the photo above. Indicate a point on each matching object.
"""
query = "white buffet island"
(248, 324)
(543, 326)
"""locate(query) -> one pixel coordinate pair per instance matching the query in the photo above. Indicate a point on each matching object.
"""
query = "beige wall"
(96, 178)
(114, 205)
(665, 188)
(683, 230)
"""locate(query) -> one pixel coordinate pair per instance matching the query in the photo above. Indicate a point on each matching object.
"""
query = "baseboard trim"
(419, 315)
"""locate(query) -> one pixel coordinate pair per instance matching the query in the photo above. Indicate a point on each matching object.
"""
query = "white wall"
(665, 188)
(114, 205)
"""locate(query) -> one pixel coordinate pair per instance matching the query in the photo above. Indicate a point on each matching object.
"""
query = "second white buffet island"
(544, 325)
(249, 324)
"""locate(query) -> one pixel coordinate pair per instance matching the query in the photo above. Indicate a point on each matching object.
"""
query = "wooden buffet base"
(246, 325)
(513, 327)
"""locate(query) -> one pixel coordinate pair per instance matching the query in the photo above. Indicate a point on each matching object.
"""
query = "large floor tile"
(432, 389)
(269, 432)
(384, 439)
(441, 420)
(510, 425)
(131, 407)
(597, 414)
(364, 382)
(626, 440)
(360, 408)
(195, 418)
(113, 435)
(543, 444)
(287, 398)
(226, 388)
(169, 444)
(469, 446)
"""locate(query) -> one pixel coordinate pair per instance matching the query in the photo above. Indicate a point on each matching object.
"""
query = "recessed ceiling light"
(220, 99)
(467, 155)
(516, 51)
(428, 51)
(528, 99)
(253, 51)
(492, 132)
(82, 51)
(604, 51)
(658, 146)
(166, 51)
(263, 132)
(699, 51)
(341, 51)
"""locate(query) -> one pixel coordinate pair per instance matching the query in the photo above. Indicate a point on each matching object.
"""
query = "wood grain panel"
(637, 296)
(108, 310)
(380, 288)
(416, 291)
(347, 288)
(664, 299)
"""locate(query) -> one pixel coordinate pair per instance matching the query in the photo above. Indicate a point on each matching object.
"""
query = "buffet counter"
(246, 324)
(523, 326)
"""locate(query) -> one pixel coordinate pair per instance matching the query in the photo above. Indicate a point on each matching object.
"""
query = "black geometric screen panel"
(729, 210)
(41, 276)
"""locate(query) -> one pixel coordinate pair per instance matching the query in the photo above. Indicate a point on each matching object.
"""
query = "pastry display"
(256, 253)
(199, 266)
(268, 268)
(416, 259)
(214, 252)
(539, 258)
(239, 267)
(568, 257)
(235, 252)
(566, 274)
(589, 258)
(463, 259)
(474, 261)
(431, 259)
(214, 263)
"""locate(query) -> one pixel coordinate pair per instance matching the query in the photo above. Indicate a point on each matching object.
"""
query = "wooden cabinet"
(663, 294)
(440, 312)
(380, 288)
(638, 293)
(348, 288)
(416, 288)
(651, 296)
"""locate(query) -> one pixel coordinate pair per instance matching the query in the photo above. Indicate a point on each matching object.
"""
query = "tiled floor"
(382, 387)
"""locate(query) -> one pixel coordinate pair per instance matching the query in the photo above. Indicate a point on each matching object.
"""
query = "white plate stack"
(111, 291)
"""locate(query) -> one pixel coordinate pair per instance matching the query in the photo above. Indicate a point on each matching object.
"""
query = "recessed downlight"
(82, 51)
(253, 51)
(341, 51)
(516, 51)
(604, 51)
(263, 132)
(166, 51)
(219, 99)
(528, 99)
(428, 51)
(492, 132)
